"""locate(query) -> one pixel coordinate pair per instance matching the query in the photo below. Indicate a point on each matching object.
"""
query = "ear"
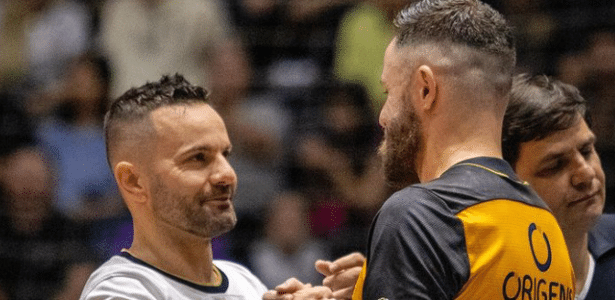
(426, 87)
(130, 181)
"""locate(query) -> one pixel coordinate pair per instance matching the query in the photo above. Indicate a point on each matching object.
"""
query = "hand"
(341, 274)
(293, 289)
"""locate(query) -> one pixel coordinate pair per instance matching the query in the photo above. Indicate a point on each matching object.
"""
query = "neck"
(176, 252)
(579, 257)
(444, 149)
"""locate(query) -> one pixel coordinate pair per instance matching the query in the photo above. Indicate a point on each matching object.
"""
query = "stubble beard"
(190, 214)
(399, 150)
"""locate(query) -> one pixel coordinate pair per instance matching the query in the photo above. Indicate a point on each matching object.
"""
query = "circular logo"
(541, 266)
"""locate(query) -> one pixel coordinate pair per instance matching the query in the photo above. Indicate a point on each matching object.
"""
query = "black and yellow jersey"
(476, 232)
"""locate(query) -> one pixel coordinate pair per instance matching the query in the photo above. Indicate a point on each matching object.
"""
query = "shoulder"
(230, 267)
(240, 278)
(414, 216)
(121, 277)
(604, 228)
(412, 203)
(235, 269)
(602, 236)
(605, 224)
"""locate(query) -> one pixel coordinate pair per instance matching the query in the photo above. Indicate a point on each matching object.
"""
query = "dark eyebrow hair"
(550, 157)
(206, 148)
(589, 140)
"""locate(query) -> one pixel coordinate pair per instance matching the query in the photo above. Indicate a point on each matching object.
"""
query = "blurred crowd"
(298, 85)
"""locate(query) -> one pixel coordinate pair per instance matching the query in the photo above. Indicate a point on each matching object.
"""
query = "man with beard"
(168, 150)
(547, 140)
(470, 229)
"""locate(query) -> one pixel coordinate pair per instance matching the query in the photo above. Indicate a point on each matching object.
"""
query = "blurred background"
(297, 82)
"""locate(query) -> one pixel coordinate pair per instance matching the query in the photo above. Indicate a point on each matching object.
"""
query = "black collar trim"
(222, 288)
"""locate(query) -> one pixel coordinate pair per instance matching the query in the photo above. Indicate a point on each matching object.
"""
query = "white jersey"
(126, 277)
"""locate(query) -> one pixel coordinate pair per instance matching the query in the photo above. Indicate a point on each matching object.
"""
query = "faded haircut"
(538, 107)
(467, 23)
(131, 108)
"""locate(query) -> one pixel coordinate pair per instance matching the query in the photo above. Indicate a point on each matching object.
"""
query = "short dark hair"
(468, 23)
(137, 103)
(538, 107)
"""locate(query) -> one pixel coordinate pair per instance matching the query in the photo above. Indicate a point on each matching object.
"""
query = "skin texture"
(180, 195)
(429, 99)
(565, 170)
(193, 182)
(402, 133)
(294, 289)
(341, 274)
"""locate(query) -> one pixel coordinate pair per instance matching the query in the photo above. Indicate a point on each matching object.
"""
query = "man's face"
(565, 171)
(192, 182)
(402, 128)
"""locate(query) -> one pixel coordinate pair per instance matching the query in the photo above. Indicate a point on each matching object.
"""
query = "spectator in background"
(257, 127)
(536, 30)
(16, 128)
(339, 168)
(42, 254)
(147, 38)
(290, 43)
(38, 38)
(287, 248)
(72, 134)
(290, 46)
(362, 37)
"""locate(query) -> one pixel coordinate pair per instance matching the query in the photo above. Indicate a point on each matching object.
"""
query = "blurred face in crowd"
(27, 182)
(565, 171)
(402, 130)
(192, 181)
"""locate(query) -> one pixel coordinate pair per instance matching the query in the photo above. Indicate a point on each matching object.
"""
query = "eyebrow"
(204, 148)
(550, 157)
(556, 154)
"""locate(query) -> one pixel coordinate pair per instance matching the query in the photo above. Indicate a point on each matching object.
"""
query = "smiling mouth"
(222, 198)
(225, 199)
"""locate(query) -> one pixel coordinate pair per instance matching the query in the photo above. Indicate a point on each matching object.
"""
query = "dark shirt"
(602, 248)
(476, 232)
(34, 266)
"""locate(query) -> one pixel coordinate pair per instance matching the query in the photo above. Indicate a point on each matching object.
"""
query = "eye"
(587, 150)
(198, 157)
(551, 168)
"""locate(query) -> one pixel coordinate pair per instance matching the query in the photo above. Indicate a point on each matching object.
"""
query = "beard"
(399, 150)
(190, 214)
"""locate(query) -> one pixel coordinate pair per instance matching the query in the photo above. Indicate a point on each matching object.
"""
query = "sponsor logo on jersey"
(534, 287)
